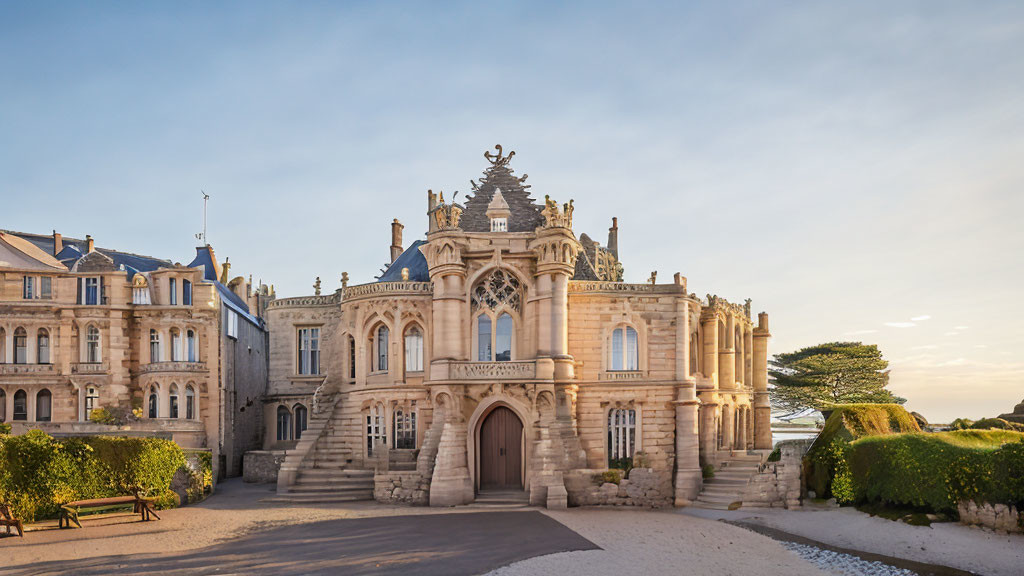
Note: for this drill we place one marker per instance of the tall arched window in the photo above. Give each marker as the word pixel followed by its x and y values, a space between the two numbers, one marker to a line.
pixel 380 348
pixel 351 357
pixel 154 346
pixel 175 345
pixel 376 428
pixel 413 349
pixel 483 330
pixel 43 346
pixel 621 437
pixel 300 420
pixel 153 402
pixel 625 354
pixel 405 429
pixel 309 350
pixel 190 402
pixel 3 406
pixel 44 405
pixel 20 346
pixel 190 346
pixel 503 338
pixel 173 397
pixel 186 292
pixel 92 345
pixel 20 405
pixel 284 423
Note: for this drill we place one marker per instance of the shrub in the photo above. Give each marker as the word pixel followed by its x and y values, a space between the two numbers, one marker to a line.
pixel 848 422
pixel 114 416
pixel 5 428
pixel 38 473
pixel 961 424
pixel 936 471
pixel 996 424
pixel 707 471
pixel 613 476
pixel 776 455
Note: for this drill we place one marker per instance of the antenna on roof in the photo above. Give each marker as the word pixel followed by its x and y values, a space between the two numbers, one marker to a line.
pixel 202 235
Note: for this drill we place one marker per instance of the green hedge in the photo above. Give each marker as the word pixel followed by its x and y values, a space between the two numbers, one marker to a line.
pixel 934 471
pixel 825 460
pixel 38 473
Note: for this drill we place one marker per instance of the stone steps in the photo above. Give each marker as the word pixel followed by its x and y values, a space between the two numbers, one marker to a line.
pixel 503 499
pixel 727 486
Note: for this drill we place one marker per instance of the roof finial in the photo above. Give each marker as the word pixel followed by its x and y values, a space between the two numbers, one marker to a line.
pixel 316 286
pixel 498 159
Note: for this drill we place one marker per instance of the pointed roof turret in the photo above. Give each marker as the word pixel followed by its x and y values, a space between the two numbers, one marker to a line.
pixel 498 208
pixel 523 212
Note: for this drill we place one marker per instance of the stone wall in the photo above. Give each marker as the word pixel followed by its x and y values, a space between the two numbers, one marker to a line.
pixel 261 466
pixel 406 487
pixel 999 517
pixel 645 487
pixel 244 373
pixel 779 484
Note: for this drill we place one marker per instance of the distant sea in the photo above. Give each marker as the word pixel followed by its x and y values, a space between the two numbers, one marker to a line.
pixel 780 434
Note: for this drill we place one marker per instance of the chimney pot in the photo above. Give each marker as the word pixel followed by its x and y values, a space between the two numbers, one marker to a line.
pixel 613 237
pixel 58 242
pixel 90 244
pixel 396 239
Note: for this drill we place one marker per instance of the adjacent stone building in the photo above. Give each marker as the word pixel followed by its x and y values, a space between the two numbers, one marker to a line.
pixel 169 350
pixel 504 353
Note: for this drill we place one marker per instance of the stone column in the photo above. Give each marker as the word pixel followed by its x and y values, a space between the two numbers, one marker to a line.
pixel 688 477
pixel 762 406
pixel 559 314
pixel 9 345
pixel 543 314
pixel 748 364
pixel 710 352
pixel 709 429
pixel 728 422
pixel 726 369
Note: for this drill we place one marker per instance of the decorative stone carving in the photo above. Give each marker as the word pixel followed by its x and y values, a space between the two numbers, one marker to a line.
pixel 500 289
pixel 383 288
pixel 303 301
pixel 493 370
pixel 498 159
pixel 447 216
pixel 555 217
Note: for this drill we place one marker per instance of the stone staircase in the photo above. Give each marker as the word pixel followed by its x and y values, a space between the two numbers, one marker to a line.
pixel 500 499
pixel 402 460
pixel 729 483
pixel 322 464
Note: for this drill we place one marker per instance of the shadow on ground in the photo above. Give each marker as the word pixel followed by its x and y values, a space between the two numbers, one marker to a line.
pixel 435 544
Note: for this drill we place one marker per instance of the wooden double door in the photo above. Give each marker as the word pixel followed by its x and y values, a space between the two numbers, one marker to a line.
pixel 501 450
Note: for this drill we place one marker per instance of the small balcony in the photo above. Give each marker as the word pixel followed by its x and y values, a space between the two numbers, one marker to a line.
pixel 28 369
pixel 90 368
pixel 162 367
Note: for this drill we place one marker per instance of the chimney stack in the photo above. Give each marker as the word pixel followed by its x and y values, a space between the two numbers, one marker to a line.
pixel 431 206
pixel 396 239
pixel 613 237
pixel 762 321
pixel 90 245
pixel 58 242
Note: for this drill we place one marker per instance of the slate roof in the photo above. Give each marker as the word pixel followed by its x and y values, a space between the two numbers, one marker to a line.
pixel 526 213
pixel 412 259
pixel 75 249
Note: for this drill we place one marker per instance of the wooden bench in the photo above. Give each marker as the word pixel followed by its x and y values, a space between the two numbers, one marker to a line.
pixel 8 520
pixel 70 511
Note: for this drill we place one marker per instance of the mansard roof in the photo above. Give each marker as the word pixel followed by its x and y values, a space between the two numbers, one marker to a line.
pixel 412 259
pixel 525 212
pixel 74 249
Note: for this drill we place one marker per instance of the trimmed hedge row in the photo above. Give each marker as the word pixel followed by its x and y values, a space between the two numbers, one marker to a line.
pixel 934 471
pixel 825 460
pixel 38 473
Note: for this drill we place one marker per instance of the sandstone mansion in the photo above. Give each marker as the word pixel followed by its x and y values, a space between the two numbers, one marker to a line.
pixel 503 353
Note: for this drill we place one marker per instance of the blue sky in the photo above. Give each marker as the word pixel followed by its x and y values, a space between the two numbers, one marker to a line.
pixel 850 167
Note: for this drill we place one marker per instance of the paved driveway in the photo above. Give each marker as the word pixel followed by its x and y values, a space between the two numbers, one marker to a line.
pixel 434 544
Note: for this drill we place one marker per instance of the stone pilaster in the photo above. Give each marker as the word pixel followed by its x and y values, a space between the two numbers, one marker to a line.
pixel 451 484
pixel 710 351
pixel 708 428
pixel 762 406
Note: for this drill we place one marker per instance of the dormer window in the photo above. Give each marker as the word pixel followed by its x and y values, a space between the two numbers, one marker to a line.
pixel 498 212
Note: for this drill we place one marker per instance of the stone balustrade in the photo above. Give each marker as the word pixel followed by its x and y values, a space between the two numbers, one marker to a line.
pixel 388 289
pixel 156 367
pixel 90 368
pixel 27 369
pixel 523 370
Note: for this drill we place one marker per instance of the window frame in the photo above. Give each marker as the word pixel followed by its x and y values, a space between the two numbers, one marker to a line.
pixel 28 288
pixel 403 429
pixel 620 360
pixel 413 334
pixel 20 352
pixel 23 395
pixel 42 334
pixel 623 436
pixel 308 351
pixel 494 319
pixel 299 424
pixel 172 291
pixel 94 289
pixel 186 292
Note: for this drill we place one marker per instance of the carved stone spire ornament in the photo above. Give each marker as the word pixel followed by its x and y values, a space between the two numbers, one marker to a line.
pixel 498 159
pixel 447 216
pixel 344 279
pixel 555 217
pixel 316 286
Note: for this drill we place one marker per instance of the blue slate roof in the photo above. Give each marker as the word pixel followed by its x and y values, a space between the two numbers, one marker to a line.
pixel 412 259
pixel 204 259
pixel 231 300
pixel 74 249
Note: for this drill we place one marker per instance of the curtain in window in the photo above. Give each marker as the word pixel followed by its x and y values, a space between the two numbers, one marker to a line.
pixel 154 403
pixel 621 437
pixel 20 346
pixel 154 346
pixel 175 346
pixel 174 401
pixel 382 348
pixel 300 420
pixel 632 351
pixel 44 401
pixel 413 350
pixel 284 423
pixel 20 405
pixel 92 344
pixel 173 291
pixel 190 403
pixel 92 291
pixel 617 349
pixel 186 293
pixel 43 347
pixel 190 345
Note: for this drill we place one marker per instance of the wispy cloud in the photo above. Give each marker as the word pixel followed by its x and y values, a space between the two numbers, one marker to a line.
pixel 859 332
pixel 900 324
pixel 920 318
pixel 959 327
pixel 926 347
pixel 951 334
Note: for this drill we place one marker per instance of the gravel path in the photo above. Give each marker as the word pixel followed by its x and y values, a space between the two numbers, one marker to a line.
pixel 944 544
pixel 651 543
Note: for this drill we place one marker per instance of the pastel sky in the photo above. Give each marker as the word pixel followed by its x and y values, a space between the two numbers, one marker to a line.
pixel 854 168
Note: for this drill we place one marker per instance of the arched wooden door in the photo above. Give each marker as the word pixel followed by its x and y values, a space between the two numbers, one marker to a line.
pixel 501 450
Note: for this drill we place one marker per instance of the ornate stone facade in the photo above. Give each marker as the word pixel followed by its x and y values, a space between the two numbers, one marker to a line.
pixel 503 352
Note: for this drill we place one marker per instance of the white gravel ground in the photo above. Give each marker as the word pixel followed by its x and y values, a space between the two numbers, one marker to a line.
pixel 945 544
pixel 652 543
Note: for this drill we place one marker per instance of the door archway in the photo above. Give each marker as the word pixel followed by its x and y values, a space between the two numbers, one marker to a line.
pixel 501 450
